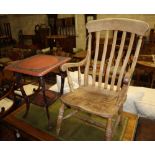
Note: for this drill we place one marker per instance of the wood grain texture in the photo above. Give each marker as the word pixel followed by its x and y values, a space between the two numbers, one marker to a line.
pixel 110 59
pixel 37 65
pixel 122 24
pixel 106 98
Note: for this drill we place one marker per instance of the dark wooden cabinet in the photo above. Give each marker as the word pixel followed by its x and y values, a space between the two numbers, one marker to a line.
pixel 52 18
pixel 62 33
pixel 5 34
pixel 58 33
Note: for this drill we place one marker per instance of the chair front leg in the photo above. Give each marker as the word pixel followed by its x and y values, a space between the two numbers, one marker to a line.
pixel 121 116
pixel 60 118
pixel 109 129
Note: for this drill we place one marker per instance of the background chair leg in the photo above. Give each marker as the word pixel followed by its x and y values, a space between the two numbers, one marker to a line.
pixel 109 129
pixel 60 118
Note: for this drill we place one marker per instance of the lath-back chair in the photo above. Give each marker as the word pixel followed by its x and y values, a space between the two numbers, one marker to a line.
pixel 7 103
pixel 105 95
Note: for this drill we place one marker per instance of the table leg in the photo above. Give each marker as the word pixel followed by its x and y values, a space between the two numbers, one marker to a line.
pixel 42 84
pixel 26 98
pixel 63 75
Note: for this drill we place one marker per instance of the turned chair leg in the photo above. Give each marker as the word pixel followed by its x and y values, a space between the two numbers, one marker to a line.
pixel 121 120
pixel 109 130
pixel 120 117
pixel 60 118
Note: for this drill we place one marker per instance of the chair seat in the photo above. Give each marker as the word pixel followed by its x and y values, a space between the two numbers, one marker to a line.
pixel 93 100
pixel 5 60
pixel 28 90
pixel 6 103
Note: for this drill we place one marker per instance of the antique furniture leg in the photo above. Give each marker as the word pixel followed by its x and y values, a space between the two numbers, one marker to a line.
pixel 42 84
pixel 63 75
pixel 26 98
pixel 109 129
pixel 60 118
pixel 61 112
pixel 120 113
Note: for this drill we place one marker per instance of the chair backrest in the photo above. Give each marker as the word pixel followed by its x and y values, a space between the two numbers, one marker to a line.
pixel 6 91
pixel 114 62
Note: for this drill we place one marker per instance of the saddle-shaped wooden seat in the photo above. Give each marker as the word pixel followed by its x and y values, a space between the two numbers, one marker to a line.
pixel 104 105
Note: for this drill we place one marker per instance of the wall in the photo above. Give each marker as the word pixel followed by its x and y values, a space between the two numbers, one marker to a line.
pixel 80 31
pixel 27 23
pixel 65 15
pixel 149 18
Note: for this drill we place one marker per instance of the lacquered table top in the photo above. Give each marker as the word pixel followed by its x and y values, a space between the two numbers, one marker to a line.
pixel 37 65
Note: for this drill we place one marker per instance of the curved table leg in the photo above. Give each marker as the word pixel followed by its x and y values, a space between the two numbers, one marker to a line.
pixel 63 75
pixel 42 84
pixel 27 102
pixel 26 98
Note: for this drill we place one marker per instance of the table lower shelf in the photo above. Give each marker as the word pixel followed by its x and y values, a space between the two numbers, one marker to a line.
pixel 51 96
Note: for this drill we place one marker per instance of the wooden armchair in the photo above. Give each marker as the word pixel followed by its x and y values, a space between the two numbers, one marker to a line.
pixel 105 95
pixel 6 97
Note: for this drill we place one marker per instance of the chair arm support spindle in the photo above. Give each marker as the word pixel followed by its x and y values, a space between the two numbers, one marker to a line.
pixel 127 78
pixel 65 66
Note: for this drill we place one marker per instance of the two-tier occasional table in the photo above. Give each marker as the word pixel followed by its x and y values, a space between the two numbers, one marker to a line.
pixel 37 66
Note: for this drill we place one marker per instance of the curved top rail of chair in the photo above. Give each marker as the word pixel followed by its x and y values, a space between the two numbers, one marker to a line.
pixel 123 24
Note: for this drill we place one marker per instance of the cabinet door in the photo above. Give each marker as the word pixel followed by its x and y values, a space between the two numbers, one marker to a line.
pixel 52 23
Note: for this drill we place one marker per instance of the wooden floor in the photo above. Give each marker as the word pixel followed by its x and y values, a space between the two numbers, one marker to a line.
pixel 145 130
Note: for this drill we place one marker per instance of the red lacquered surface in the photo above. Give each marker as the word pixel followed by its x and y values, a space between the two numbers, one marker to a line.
pixel 37 65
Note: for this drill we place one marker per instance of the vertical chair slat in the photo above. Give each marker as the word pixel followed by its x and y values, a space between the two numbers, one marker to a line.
pixel 70 82
pixel 102 65
pixel 110 59
pixel 88 60
pixel 134 61
pixel 96 57
pixel 118 61
pixel 125 61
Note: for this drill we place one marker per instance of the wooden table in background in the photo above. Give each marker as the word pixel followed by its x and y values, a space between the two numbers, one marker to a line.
pixel 55 38
pixel 38 66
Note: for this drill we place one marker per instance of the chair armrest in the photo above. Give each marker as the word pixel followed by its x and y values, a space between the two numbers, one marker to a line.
pixel 123 93
pixel 127 78
pixel 65 66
